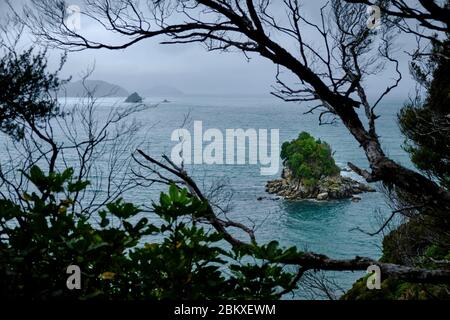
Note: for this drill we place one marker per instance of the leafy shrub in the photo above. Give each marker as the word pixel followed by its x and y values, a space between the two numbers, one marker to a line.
pixel 426 124
pixel 28 89
pixel 121 254
pixel 308 159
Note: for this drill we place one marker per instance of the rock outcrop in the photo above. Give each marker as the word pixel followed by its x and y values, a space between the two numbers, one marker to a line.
pixel 333 187
pixel 134 98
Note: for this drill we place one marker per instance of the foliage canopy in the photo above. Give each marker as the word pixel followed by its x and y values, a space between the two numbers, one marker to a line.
pixel 426 125
pixel 28 91
pixel 309 159
pixel 121 254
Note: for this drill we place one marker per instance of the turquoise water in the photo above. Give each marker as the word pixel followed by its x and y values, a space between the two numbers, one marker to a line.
pixel 321 227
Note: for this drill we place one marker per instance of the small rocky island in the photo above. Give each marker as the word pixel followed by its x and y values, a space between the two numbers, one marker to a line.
pixel 310 172
pixel 134 98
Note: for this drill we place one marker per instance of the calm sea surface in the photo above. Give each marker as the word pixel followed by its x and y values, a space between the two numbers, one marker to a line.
pixel 322 227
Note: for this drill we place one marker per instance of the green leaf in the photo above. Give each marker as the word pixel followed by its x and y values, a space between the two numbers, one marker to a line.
pixel 9 210
pixel 77 186
pixel 272 248
pixel 37 176
pixel 67 174
pixel 122 210
pixel 173 192
pixel 104 222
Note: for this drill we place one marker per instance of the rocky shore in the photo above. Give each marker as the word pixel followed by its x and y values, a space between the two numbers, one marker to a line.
pixel 327 188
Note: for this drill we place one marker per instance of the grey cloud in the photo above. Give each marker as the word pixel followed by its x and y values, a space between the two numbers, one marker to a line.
pixel 192 69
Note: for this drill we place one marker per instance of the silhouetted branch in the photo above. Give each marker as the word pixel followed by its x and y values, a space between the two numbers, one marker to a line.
pixel 332 73
pixel 305 260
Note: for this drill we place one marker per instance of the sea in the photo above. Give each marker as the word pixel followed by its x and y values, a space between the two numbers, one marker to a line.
pixel 332 228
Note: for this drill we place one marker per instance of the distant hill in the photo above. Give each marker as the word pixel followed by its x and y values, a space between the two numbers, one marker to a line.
pixel 98 87
pixel 163 91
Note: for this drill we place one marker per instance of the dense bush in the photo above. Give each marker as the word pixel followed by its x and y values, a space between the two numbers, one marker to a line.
pixel 121 254
pixel 27 91
pixel 308 159
pixel 422 240
pixel 398 248
pixel 426 124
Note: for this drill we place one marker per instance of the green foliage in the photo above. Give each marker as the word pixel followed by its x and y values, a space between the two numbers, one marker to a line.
pixel 122 255
pixel 396 290
pixel 423 239
pixel 410 240
pixel 308 159
pixel 26 91
pixel 426 125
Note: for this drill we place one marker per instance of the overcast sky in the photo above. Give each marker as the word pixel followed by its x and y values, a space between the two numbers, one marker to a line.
pixel 191 68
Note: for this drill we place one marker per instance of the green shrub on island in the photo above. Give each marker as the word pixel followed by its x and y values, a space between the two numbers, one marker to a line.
pixel 308 159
